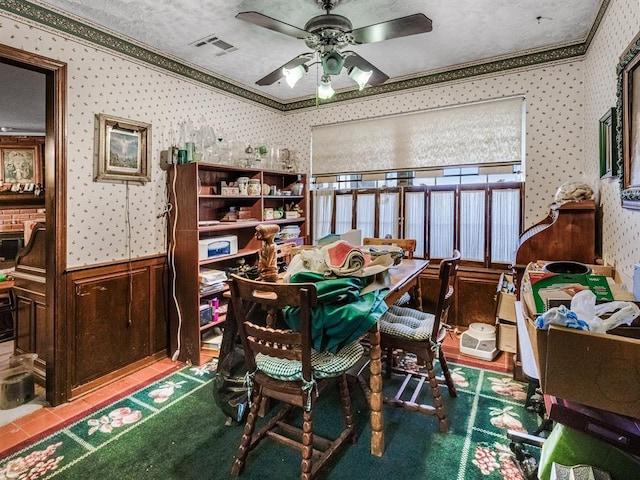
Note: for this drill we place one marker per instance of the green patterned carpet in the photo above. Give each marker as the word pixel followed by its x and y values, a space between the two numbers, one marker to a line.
pixel 172 429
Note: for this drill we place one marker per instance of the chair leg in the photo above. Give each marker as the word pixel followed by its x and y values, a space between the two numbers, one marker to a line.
pixel 345 400
pixel 447 374
pixel 388 362
pixel 249 427
pixel 441 413
pixel 307 446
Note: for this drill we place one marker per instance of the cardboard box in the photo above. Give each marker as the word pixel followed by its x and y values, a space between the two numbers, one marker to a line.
pixel 536 308
pixel 229 191
pixel 551 290
pixel 506 309
pixel 507 337
pixel 506 314
pixel 594 369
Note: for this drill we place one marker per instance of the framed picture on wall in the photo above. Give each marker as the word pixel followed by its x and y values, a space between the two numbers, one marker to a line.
pixel 628 131
pixel 123 150
pixel 19 165
pixel 607 146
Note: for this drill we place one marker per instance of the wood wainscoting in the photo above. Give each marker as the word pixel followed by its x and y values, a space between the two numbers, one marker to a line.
pixel 117 320
pixel 475 294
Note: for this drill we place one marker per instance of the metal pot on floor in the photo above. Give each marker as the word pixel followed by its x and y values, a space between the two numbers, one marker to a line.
pixel 17 384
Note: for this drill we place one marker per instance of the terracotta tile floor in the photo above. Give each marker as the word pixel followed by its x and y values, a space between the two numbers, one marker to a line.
pixel 502 363
pixel 34 426
pixel 30 428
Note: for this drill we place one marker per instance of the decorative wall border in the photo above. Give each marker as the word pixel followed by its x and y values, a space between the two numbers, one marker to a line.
pixel 86 32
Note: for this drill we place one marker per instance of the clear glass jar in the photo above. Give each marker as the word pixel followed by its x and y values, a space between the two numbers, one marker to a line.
pixel 298 187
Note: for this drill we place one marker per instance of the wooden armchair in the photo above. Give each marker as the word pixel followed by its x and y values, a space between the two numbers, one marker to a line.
pixel 408 245
pixel 421 334
pixel 283 366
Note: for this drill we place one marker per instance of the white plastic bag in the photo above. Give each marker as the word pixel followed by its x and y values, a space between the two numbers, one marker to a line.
pixel 626 313
pixel 583 304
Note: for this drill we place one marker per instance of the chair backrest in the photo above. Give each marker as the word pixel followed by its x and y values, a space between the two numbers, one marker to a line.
pixel 284 251
pixel 259 335
pixel 408 245
pixel 447 275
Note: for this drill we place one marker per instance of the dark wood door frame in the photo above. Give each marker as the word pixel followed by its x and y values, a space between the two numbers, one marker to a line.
pixel 55 181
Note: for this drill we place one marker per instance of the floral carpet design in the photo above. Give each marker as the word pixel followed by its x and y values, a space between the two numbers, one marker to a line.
pixel 490 457
pixel 40 460
pixel 476 448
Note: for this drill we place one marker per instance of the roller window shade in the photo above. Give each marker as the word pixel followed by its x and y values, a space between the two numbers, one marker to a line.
pixel 474 134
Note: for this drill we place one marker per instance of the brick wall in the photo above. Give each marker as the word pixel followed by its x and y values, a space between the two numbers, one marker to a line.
pixel 12 219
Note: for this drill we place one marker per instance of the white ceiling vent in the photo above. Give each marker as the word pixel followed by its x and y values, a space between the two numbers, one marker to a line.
pixel 221 47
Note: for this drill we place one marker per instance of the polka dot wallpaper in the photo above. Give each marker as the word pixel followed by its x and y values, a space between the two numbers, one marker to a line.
pixel 563 100
pixel 620 227
pixel 101 82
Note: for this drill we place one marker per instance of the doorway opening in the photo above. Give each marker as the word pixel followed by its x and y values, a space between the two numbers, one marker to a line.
pixel 51 321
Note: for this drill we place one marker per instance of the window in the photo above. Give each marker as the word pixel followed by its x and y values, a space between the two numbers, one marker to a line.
pixel 483 221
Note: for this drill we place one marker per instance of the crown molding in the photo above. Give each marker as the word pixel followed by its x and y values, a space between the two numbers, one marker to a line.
pixel 50 18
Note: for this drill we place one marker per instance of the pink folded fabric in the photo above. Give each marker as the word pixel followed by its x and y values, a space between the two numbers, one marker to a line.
pixel 344 259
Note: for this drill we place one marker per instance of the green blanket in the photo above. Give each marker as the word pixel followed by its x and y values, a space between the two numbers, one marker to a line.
pixel 343 315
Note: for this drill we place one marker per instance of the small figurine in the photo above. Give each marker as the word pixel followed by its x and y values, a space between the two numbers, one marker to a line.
pixel 268 261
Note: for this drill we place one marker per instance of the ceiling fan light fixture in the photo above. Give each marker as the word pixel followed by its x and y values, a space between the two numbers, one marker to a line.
pixel 325 90
pixel 292 75
pixel 361 77
pixel 332 63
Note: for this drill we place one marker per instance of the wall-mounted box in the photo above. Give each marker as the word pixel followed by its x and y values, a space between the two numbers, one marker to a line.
pixel 217 246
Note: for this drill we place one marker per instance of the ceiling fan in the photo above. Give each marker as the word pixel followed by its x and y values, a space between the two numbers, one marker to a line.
pixel 328 35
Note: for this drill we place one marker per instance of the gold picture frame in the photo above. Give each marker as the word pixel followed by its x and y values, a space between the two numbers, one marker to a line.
pixel 628 125
pixel 123 150
pixel 20 165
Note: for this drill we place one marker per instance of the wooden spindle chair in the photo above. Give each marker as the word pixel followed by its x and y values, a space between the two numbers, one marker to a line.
pixel 408 245
pixel 421 333
pixel 283 366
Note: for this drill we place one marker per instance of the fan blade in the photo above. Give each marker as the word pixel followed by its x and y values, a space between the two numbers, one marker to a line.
pixel 277 74
pixel 400 27
pixel 272 24
pixel 354 60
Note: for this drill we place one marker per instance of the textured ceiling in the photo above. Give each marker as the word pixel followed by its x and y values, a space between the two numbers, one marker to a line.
pixel 465 33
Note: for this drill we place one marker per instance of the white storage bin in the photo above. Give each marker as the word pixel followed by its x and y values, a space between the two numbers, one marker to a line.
pixel 217 246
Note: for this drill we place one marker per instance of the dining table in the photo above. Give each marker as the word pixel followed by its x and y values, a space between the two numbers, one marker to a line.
pixel 404 278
